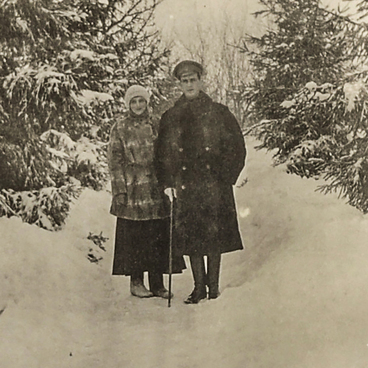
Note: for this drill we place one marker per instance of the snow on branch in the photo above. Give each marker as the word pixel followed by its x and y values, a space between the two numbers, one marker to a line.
pixel 46 208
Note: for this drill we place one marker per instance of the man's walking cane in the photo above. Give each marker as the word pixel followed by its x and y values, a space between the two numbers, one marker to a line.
pixel 171 245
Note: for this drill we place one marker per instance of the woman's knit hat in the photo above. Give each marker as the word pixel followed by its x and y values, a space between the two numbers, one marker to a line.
pixel 136 91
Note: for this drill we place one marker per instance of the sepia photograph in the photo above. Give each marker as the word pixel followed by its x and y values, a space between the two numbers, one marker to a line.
pixel 183 183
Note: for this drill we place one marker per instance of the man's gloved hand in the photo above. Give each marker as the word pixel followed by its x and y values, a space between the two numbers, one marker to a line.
pixel 122 199
pixel 171 193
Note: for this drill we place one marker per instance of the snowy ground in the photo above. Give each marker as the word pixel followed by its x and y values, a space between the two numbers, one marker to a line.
pixel 296 297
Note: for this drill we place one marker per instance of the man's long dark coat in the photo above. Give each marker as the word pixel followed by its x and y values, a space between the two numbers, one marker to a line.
pixel 200 151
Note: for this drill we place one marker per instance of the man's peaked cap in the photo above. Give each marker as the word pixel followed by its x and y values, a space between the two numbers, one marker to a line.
pixel 186 67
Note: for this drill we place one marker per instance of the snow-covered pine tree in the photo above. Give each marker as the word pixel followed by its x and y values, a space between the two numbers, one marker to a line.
pixel 309 95
pixel 65 66
pixel 303 45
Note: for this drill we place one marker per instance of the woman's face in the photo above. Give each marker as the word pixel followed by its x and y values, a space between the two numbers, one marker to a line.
pixel 138 105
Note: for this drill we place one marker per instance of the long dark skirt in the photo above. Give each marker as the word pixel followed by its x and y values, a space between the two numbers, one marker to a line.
pixel 143 246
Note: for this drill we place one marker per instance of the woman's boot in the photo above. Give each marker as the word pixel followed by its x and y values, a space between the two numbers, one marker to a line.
pixel 199 276
pixel 156 283
pixel 137 287
pixel 213 274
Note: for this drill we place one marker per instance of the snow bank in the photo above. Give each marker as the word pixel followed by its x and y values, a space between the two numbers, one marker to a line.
pixel 48 284
pixel 295 297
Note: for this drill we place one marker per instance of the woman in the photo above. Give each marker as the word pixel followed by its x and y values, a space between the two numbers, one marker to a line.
pixel 142 229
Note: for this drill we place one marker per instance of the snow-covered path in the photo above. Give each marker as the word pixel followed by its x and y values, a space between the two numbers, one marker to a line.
pixel 296 297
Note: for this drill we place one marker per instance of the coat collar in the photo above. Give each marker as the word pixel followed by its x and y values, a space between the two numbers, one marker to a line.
pixel 197 103
pixel 136 120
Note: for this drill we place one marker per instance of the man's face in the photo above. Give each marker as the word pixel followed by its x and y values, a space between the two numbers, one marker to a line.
pixel 190 85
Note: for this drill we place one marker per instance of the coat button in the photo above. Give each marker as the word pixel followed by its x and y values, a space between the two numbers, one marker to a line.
pixel 183 187
pixel 208 166
pixel 180 149
pixel 184 168
pixel 207 148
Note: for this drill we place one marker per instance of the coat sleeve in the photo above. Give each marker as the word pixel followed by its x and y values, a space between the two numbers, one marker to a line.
pixel 233 148
pixel 116 161
pixel 163 161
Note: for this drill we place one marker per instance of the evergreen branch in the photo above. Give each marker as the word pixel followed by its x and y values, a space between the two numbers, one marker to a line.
pixel 246 132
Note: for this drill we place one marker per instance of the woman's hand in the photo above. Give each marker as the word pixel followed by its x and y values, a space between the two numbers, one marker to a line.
pixel 122 199
pixel 171 193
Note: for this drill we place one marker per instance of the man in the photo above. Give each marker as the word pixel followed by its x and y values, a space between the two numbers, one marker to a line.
pixel 200 153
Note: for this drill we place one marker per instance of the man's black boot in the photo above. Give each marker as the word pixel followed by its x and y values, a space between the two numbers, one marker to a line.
pixel 213 273
pixel 199 276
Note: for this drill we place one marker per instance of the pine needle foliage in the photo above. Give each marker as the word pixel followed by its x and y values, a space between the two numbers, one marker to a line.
pixel 64 67
pixel 309 96
pixel 46 208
